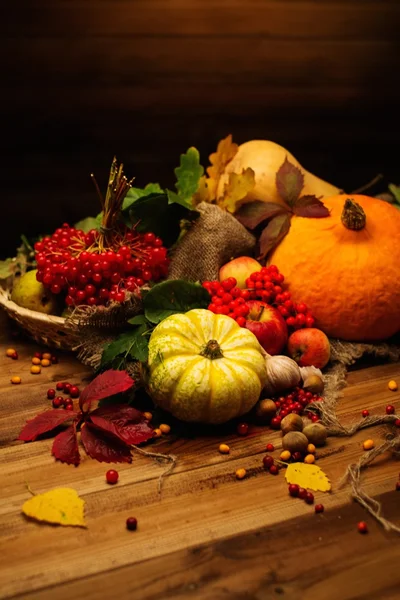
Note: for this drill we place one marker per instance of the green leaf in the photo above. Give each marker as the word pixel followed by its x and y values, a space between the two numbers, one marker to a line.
pixel 7 268
pixel 135 193
pixel 174 296
pixel 187 179
pixel 254 213
pixel 395 190
pixel 276 229
pixel 153 213
pixel 132 343
pixel 138 320
pixel 87 224
pixel 289 182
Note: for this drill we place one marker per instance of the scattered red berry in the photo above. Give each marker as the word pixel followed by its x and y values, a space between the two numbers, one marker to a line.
pixel 131 524
pixel 297 457
pixel 74 391
pixel 365 413
pixel 112 476
pixel 57 402
pixel 390 409
pixel 14 355
pixel 242 429
pixel 319 508
pixel 274 470
pixel 268 461
pixel 60 386
pixel 270 447
pixel 302 493
pixel 397 422
pixel 294 490
pixel 309 498
pixel 362 527
pixel 69 407
pixel 397 486
pixel 67 387
pixel 276 422
pixel 38 355
pixel 51 394
pixel 315 418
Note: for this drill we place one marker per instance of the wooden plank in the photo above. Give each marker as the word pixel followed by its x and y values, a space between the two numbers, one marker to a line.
pixel 262 565
pixel 243 521
pixel 180 18
pixel 113 62
pixel 158 99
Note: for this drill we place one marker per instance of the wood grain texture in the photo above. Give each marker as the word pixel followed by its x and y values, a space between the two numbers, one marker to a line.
pixel 208 536
pixel 146 79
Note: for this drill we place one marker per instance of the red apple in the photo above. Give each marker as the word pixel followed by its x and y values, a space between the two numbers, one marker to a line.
pixel 240 268
pixel 268 326
pixel 309 347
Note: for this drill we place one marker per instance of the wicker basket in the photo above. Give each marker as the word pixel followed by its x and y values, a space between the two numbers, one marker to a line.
pixel 49 330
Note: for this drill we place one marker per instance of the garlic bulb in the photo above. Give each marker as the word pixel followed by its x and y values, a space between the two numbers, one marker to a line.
pixel 283 373
pixel 307 371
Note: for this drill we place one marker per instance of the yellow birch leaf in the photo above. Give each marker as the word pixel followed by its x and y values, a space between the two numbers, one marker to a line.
pixel 61 505
pixel 226 150
pixel 308 476
pixel 236 190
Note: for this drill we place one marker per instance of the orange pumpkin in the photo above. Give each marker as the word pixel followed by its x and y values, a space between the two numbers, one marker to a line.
pixel 345 267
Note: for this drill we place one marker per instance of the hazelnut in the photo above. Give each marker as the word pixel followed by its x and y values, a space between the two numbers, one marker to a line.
pixel 265 410
pixel 316 433
pixel 291 422
pixel 295 441
pixel 314 384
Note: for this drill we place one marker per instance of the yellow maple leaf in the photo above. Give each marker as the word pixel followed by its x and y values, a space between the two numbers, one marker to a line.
pixel 226 150
pixel 236 190
pixel 308 476
pixel 61 505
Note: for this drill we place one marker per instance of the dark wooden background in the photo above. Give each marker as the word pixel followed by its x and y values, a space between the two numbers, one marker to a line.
pixel 145 79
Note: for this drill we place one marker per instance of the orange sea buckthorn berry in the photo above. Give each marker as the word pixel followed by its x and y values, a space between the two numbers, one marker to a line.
pixel 224 448
pixel 148 415
pixel 45 362
pixel 35 361
pixel 15 379
pixel 368 444
pixel 10 352
pixel 392 385
pixel 241 473
pixel 157 433
pixel 35 370
pixel 164 428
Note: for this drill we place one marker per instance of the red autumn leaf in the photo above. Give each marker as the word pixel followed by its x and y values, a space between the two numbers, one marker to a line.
pixel 103 386
pixel 289 182
pixel 125 422
pixel 44 422
pixel 254 213
pixel 276 229
pixel 65 447
pixel 104 447
pixel 310 206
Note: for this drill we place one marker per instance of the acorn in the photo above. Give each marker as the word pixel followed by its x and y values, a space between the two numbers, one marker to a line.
pixel 265 410
pixel 295 441
pixel 314 384
pixel 316 434
pixel 291 422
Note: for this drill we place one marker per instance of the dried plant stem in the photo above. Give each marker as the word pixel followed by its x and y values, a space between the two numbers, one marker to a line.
pixel 353 476
pixel 369 185
pixel 171 458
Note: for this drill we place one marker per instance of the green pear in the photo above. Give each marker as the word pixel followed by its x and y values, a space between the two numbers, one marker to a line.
pixel 28 292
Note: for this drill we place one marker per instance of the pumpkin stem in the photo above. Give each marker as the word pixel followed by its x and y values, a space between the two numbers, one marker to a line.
pixel 212 350
pixel 353 215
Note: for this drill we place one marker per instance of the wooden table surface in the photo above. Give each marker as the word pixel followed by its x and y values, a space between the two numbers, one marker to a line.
pixel 209 536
